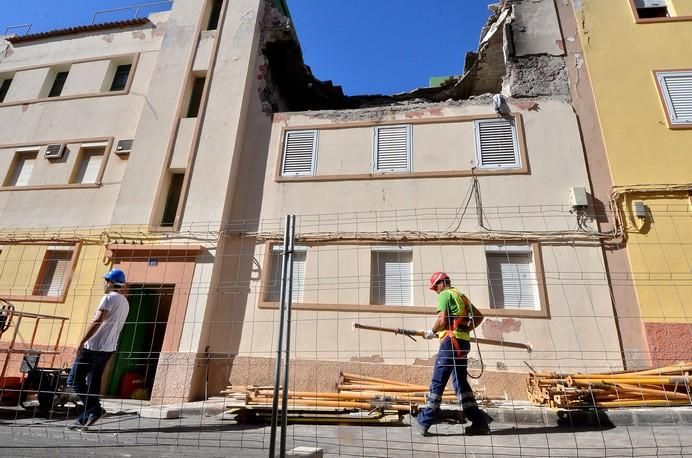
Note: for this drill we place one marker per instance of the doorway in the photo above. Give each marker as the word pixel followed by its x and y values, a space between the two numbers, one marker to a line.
pixel 137 356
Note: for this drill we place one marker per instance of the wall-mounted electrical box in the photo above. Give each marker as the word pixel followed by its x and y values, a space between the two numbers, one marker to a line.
pixel 640 210
pixel 578 198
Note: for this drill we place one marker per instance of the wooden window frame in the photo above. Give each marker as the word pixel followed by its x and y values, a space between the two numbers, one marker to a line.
pixel 657 20
pixel 69 273
pixel 663 95
pixel 544 313
pixel 524 169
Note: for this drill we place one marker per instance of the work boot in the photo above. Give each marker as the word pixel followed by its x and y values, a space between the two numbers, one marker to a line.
pixel 93 418
pixel 420 429
pixel 477 429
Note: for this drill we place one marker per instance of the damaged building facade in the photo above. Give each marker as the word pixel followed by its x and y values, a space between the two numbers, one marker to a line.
pixel 185 138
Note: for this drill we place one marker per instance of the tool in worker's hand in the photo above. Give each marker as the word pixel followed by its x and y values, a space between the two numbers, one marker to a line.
pixel 411 332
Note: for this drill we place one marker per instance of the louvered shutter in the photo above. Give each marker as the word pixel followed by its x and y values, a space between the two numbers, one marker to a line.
pixel 512 281
pixel 300 151
pixel 496 144
pixel 392 278
pixel 677 89
pixel 89 167
pixel 392 148
pixel 56 265
pixel 273 293
pixel 23 169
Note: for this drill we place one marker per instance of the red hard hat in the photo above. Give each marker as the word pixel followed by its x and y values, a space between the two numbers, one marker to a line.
pixel 437 277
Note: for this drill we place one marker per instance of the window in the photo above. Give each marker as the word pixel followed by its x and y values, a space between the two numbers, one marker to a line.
pixel 4 88
pixel 391 277
pixel 122 74
pixel 195 97
pixel 496 144
pixel 20 173
pixel 272 291
pixel 676 88
pixel 58 84
pixel 54 270
pixel 512 280
pixel 89 165
pixel 214 15
pixel 175 189
pixel 649 9
pixel 392 149
pixel 300 153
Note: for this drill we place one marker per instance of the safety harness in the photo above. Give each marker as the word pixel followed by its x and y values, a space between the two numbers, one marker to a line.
pixel 459 323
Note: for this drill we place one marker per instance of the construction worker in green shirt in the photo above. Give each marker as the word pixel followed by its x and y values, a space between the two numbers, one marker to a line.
pixel 455 318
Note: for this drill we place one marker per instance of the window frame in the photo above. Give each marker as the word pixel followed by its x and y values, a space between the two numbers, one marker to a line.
pixel 540 309
pixel 666 101
pixel 115 76
pixel 67 280
pixel 57 87
pixel 274 255
pixel 315 150
pixel 409 149
pixel 515 142
pixel 656 20
pixel 11 173
pixel 5 85
pixel 88 149
pixel 41 288
pixel 390 249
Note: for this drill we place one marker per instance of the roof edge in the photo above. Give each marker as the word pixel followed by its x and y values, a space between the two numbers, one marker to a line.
pixel 78 29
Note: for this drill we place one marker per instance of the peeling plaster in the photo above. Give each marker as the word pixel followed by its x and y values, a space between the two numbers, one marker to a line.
pixel 138 35
pixel 496 329
pixel 107 38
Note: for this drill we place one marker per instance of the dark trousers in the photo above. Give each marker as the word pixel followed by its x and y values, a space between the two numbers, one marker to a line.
pixel 449 364
pixel 85 379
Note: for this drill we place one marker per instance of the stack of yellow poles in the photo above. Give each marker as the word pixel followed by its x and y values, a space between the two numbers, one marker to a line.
pixel 663 386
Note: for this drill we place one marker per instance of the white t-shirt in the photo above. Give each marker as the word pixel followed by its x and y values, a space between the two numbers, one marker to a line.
pixel 106 337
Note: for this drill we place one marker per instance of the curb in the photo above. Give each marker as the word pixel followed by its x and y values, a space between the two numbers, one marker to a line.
pixel 667 416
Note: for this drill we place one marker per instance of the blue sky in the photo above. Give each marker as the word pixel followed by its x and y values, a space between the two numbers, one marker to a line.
pixel 366 46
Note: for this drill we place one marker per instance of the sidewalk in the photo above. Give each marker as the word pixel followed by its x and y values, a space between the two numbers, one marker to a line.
pixel 505 412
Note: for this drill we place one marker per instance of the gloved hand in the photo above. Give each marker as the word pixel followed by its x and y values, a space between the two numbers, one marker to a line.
pixel 428 335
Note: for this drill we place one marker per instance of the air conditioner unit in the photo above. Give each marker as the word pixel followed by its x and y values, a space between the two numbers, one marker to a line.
pixel 650 3
pixel 123 147
pixel 54 151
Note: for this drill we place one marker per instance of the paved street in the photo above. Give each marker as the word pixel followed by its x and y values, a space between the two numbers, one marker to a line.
pixel 126 434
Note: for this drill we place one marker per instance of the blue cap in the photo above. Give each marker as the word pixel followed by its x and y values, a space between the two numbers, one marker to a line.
pixel 116 276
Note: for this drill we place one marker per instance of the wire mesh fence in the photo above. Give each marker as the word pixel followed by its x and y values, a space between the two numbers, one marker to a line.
pixel 195 363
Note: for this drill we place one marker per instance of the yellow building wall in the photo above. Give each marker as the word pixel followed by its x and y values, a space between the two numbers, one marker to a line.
pixel 621 56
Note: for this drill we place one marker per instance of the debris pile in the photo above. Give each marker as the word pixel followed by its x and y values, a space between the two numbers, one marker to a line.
pixel 664 386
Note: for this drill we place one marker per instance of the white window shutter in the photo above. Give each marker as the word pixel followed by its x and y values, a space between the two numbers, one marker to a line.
pixel 300 152
pixel 89 167
pixel 496 144
pixel 273 287
pixel 23 170
pixel 392 278
pixel 677 91
pixel 392 148
pixel 512 281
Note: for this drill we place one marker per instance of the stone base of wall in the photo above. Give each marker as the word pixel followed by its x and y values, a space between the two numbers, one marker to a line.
pixel 669 343
pixel 182 377
pixel 310 375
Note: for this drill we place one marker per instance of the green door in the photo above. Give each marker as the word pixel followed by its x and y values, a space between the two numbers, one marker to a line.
pixel 134 346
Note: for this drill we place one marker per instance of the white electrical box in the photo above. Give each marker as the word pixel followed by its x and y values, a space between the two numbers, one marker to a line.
pixel 577 197
pixel 640 209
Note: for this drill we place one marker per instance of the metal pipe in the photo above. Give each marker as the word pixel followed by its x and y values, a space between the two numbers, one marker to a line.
pixel 279 343
pixel 125 8
pixel 287 332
